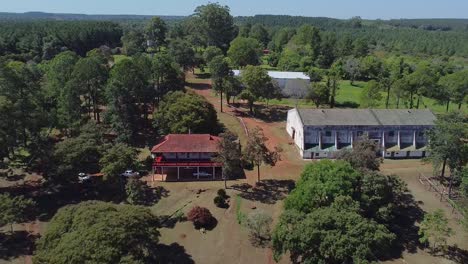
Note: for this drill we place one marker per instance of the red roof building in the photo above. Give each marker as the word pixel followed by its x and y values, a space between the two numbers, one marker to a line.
pixel 186 153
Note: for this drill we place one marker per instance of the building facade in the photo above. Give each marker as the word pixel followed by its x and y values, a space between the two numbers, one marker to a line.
pixel 290 83
pixel 320 133
pixel 186 157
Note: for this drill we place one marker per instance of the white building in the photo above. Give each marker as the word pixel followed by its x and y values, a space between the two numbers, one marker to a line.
pixel 320 133
pixel 289 82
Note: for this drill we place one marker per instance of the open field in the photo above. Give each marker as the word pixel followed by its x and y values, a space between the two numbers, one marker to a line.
pixel 348 97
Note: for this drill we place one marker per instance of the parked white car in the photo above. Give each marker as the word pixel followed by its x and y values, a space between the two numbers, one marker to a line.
pixel 83 176
pixel 130 173
pixel 201 174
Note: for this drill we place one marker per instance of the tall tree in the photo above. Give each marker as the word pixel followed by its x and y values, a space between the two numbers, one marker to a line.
pixel 125 89
pixel 453 87
pixel 370 95
pixel 333 77
pixel 229 155
pixel 258 153
pixel 89 76
pixel 260 33
pixel 182 53
pixel 166 75
pixel 448 146
pixel 155 31
pixel 216 25
pixel 219 68
pixel 116 160
pixel 244 51
pixel 133 42
pixel 256 82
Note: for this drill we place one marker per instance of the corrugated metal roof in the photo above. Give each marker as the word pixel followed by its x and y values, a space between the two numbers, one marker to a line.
pixel 366 117
pixel 281 75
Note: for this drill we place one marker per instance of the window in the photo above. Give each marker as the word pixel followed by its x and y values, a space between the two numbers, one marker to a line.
pixel 328 133
pixel 391 133
pixel 421 134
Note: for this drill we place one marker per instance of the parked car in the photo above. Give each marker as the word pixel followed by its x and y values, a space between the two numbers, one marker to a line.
pixel 83 177
pixel 201 174
pixel 130 173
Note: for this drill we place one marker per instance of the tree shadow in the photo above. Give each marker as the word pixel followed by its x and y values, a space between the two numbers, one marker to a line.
pixel 404 227
pixel 199 86
pixel 456 254
pixel 18 243
pixel 174 254
pixel 347 104
pixel 169 221
pixel 271 113
pixel 266 191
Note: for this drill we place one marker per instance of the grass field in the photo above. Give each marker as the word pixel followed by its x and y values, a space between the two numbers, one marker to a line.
pixel 348 96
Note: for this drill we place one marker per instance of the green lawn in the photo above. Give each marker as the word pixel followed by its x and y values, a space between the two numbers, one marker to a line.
pixel 348 96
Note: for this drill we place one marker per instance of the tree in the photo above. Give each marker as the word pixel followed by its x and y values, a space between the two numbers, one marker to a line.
pixel 166 75
pixel 182 53
pixel 453 87
pixel 258 223
pixel 371 95
pixel 434 228
pixel 352 67
pixel 89 77
pixel 363 155
pixel 201 217
pixel 320 184
pixel 181 112
pixel 333 76
pixel 318 93
pixel 334 234
pixel 260 33
pixel 256 82
pixel 219 68
pixel 447 145
pixel 127 87
pixel 87 232
pixel 116 160
pixel 138 192
pixel 233 87
pixel 421 82
pixel 14 209
pixel 229 154
pixel 244 51
pixel 216 25
pixel 133 42
pixel 210 53
pixel 257 152
pixel 155 32
pixel 77 154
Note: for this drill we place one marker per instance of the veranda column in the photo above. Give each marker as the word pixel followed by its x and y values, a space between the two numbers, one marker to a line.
pixel 336 140
pixel 320 139
pixel 214 172
pixel 383 144
pixel 198 173
pixel 352 138
pixel 178 172
pixel 162 174
pixel 399 140
pixel 414 139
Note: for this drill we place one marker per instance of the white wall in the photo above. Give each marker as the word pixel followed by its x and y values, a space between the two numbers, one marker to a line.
pixel 294 123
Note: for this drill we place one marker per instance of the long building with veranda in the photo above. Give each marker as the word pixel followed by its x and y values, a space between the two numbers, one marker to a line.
pixel 320 133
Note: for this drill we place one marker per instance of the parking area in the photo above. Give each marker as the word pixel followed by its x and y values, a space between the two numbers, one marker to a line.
pixel 186 174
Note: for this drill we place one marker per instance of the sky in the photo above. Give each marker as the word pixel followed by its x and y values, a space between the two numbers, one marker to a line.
pixel 369 9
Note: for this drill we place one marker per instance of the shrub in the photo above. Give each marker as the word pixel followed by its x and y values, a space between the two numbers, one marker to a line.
pixel 201 217
pixel 222 193
pixel 138 192
pixel 220 202
pixel 258 223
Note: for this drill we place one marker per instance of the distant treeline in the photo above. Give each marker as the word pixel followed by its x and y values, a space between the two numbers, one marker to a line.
pixel 25 40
